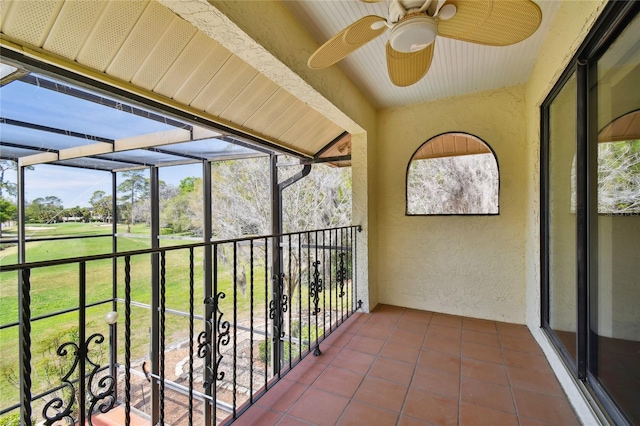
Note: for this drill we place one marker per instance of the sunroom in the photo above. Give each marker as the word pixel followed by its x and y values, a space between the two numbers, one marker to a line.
pixel 555 253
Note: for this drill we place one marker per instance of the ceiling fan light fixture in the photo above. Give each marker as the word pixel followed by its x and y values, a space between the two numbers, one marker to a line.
pixel 414 33
pixel 447 11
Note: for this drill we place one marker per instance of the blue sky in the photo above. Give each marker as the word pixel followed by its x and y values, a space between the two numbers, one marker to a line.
pixel 75 186
pixel 34 104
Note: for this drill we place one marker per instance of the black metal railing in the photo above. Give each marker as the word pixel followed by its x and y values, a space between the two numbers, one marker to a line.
pixel 265 303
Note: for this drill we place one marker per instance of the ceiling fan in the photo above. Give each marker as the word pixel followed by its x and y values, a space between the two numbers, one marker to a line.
pixel 414 25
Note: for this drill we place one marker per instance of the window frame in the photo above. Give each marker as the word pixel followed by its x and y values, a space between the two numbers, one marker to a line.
pixel 408 169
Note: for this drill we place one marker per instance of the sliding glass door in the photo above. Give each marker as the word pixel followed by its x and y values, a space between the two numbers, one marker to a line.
pixel 615 276
pixel 590 161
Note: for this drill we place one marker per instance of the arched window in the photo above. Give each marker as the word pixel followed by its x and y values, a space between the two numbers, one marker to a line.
pixel 453 174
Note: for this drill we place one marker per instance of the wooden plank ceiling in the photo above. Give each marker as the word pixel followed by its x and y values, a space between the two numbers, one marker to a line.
pixel 145 44
pixel 451 145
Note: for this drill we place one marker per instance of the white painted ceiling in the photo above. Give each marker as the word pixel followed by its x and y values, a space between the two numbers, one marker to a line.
pixel 458 67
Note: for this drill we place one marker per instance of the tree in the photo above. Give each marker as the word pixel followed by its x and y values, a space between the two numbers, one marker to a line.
pixel 182 211
pixel 619 177
pixel 44 210
pixel 102 205
pixel 241 197
pixel 8 187
pixel 7 212
pixel 241 203
pixel 320 200
pixel 135 188
pixel 77 213
pixel 189 184
pixel 453 185
pixel 241 194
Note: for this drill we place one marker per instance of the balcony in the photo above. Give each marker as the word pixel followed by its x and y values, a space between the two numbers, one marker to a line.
pixel 233 72
pixel 336 364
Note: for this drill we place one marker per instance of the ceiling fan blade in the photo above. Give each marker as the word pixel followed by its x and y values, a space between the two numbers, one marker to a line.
pixel 492 23
pixel 406 69
pixel 345 42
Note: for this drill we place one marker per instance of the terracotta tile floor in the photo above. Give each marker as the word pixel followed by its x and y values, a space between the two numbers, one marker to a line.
pixel 399 366
pixel 116 417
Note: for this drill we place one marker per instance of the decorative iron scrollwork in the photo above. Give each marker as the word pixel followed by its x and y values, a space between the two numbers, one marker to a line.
pixel 100 393
pixel 223 335
pixel 55 409
pixel 282 306
pixel 315 287
pixel 204 349
pixel 341 275
pixel 205 344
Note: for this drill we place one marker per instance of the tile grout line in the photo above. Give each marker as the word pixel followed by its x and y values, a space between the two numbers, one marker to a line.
pixel 415 366
pixel 308 386
pixel 368 369
pixel 504 360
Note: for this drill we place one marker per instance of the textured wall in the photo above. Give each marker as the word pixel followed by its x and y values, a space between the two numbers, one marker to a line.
pixel 468 265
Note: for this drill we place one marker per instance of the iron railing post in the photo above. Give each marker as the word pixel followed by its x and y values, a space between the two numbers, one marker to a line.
pixel 155 297
pixel 127 340
pixel 209 408
pixel 82 341
pixel 24 294
pixel 113 329
pixel 276 267
pixel 22 251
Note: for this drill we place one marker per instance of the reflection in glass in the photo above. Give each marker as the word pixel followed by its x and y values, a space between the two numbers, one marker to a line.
pixel 562 217
pixel 616 283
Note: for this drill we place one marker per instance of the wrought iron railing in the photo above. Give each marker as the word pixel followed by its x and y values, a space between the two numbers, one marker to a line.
pixel 222 321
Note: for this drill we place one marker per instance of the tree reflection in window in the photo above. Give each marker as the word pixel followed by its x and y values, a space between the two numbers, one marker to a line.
pixel 453 174
pixel 619 166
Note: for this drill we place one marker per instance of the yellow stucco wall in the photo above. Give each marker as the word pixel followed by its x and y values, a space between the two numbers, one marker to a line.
pixel 467 265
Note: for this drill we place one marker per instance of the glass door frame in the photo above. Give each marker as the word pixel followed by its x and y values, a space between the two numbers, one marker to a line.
pixel 613 20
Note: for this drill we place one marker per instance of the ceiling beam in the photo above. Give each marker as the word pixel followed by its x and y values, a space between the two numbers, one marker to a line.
pixel 331 144
pixel 43 157
pixel 149 140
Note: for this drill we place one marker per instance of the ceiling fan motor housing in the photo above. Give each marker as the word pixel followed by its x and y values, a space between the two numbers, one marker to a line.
pixel 412 4
pixel 414 33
